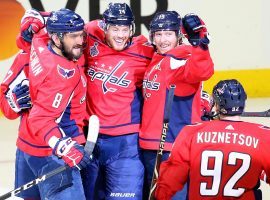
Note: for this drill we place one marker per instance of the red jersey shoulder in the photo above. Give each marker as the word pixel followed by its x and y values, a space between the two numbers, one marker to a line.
pixel 196 126
pixel 19 64
pixel 141 46
pixel 180 52
pixel 95 28
pixel 45 64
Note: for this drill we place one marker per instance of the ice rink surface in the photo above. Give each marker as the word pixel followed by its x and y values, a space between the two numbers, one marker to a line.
pixel 8 133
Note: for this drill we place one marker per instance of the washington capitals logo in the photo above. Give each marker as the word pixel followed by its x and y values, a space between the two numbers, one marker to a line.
pixel 66 73
pixel 152 85
pixel 110 78
pixel 94 50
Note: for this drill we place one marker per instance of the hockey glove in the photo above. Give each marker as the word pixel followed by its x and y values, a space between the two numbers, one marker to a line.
pixel 195 31
pixel 31 23
pixel 71 152
pixel 20 96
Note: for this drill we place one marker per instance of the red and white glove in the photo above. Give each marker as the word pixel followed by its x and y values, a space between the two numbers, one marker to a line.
pixel 32 22
pixel 18 96
pixel 195 30
pixel 70 151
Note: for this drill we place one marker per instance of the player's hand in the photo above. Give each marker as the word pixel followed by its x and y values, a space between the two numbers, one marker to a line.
pixel 71 152
pixel 31 23
pixel 21 96
pixel 195 30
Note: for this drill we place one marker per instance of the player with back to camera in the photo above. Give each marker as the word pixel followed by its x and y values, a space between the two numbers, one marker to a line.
pixel 52 128
pixel 174 63
pixel 222 158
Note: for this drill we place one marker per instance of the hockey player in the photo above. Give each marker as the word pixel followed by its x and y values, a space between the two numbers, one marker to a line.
pixel 174 63
pixel 223 158
pixel 116 62
pixel 52 128
pixel 16 81
pixel 15 100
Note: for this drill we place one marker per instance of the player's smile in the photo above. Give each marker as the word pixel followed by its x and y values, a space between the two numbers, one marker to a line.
pixel 117 37
pixel 165 40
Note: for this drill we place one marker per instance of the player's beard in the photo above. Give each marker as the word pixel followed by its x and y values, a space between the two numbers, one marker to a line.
pixel 72 53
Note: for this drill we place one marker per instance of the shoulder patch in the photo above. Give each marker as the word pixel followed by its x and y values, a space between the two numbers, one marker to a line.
pixel 101 24
pixel 94 50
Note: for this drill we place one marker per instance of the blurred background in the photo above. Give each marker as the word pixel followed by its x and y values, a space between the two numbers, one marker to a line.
pixel 239 31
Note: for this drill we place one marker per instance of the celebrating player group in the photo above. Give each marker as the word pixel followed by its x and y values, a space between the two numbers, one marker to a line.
pixel 68 70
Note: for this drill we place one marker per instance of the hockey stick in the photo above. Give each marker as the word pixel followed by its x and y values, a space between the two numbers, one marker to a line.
pixel 165 127
pixel 256 114
pixel 93 129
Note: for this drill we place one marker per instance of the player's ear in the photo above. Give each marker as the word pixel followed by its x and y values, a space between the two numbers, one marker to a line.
pixel 55 39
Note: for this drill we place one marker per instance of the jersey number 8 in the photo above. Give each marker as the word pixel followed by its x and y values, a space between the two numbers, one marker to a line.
pixel 57 100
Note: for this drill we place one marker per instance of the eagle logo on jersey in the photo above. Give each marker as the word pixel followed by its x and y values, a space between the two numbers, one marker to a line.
pixel 94 50
pixel 66 73
pixel 110 78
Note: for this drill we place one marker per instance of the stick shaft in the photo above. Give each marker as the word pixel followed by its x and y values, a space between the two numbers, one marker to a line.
pixel 256 114
pixel 162 142
pixel 93 130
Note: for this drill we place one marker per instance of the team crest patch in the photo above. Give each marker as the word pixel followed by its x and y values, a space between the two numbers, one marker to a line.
pixel 66 73
pixel 101 24
pixel 94 50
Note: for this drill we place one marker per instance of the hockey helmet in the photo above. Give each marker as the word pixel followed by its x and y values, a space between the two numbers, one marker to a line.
pixel 165 21
pixel 118 14
pixel 230 97
pixel 64 21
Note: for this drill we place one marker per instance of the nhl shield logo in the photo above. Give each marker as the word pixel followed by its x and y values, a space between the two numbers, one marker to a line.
pixel 94 50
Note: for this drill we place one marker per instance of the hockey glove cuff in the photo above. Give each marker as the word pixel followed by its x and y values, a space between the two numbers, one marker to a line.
pixel 19 98
pixel 195 31
pixel 70 151
pixel 31 23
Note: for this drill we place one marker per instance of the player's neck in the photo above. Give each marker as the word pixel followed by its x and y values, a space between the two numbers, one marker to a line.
pixel 57 50
pixel 231 118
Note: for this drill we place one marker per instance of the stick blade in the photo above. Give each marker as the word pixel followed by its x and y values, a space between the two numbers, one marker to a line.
pixel 93 130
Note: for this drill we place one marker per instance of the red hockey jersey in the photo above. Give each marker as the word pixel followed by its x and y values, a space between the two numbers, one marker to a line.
pixel 58 92
pixel 114 80
pixel 185 67
pixel 222 159
pixel 15 75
